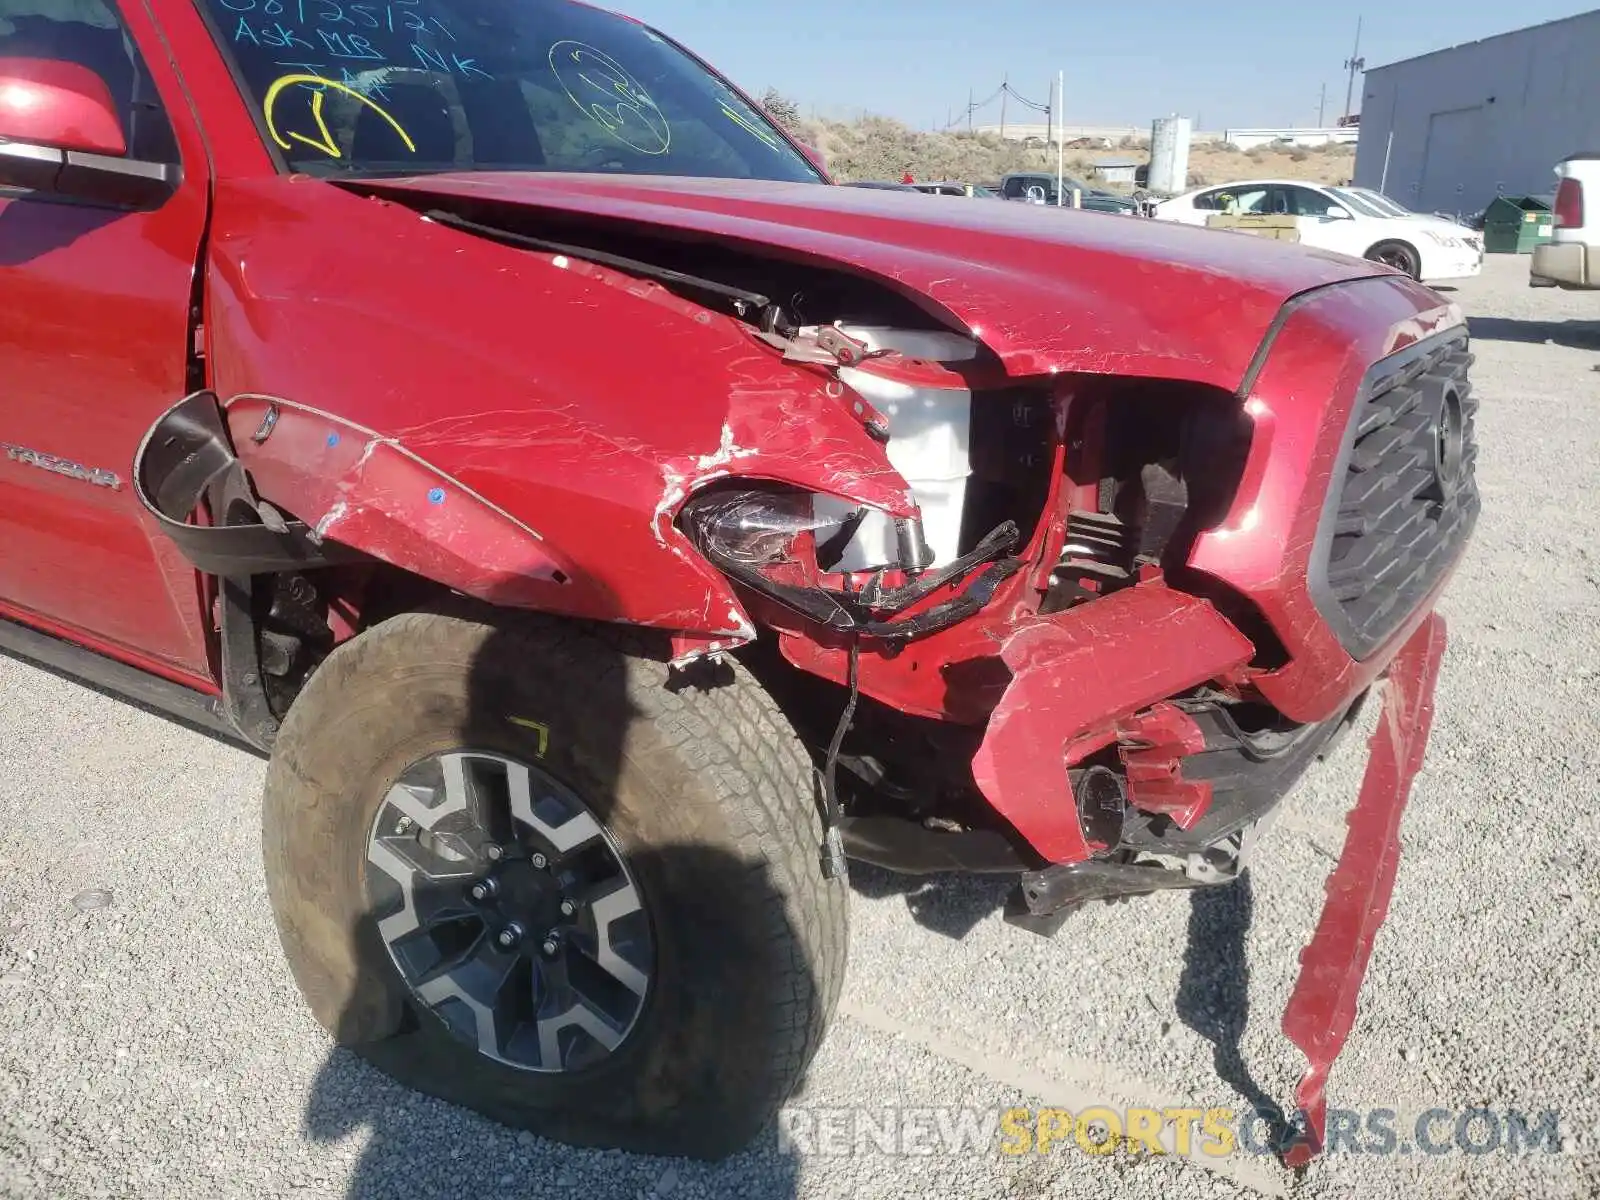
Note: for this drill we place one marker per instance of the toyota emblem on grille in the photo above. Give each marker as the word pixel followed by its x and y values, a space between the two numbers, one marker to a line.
pixel 1448 444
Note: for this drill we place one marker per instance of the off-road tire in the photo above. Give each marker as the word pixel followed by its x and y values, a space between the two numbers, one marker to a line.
pixel 712 798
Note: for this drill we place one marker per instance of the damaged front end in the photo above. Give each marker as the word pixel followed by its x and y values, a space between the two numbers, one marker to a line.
pixel 1061 579
pixel 1150 609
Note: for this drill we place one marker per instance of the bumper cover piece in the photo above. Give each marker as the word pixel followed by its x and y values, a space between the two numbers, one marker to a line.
pixel 1322 1009
pixel 1074 675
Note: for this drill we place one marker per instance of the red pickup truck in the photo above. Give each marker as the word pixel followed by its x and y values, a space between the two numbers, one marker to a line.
pixel 611 529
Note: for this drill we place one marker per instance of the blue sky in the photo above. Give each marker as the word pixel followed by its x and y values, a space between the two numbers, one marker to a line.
pixel 1220 64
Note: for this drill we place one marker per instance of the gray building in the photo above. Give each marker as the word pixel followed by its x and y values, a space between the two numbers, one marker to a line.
pixel 1450 130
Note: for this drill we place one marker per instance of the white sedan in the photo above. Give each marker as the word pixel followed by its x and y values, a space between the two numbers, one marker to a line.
pixel 1346 220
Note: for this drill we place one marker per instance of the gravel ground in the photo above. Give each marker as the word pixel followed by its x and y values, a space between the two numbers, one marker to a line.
pixel 157 1047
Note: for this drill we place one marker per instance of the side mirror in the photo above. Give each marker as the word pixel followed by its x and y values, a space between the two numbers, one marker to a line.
pixel 1337 213
pixel 60 133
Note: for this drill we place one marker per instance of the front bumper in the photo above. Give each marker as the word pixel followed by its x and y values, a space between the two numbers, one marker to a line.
pixel 1452 263
pixel 1107 678
pixel 1571 265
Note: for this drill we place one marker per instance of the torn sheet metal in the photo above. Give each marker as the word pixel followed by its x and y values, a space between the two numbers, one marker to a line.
pixel 1046 295
pixel 1322 1008
pixel 1152 745
pixel 1074 674
pixel 590 425
pixel 356 488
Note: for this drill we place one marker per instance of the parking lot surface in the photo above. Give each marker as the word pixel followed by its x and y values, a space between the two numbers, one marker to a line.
pixel 155 1046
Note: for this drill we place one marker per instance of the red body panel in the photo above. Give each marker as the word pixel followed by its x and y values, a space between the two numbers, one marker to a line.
pixel 1047 290
pixel 1075 674
pixel 94 347
pixel 520 398
pixel 1322 1009
pixel 58 103
pixel 1263 547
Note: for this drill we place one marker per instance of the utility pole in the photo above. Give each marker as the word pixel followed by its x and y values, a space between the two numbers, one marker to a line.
pixel 969 110
pixel 1322 108
pixel 1049 118
pixel 1061 140
pixel 1353 64
pixel 1005 94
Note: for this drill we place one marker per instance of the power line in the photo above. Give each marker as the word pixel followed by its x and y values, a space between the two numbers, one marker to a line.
pixel 1023 100
pixel 973 106
pixel 1005 89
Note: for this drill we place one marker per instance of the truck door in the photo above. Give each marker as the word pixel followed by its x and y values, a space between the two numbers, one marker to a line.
pixel 94 340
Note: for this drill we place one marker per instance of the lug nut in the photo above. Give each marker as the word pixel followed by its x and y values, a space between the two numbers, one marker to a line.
pixel 402 825
pixel 494 853
pixel 568 907
pixel 551 946
pixel 483 889
pixel 509 936
pixel 539 861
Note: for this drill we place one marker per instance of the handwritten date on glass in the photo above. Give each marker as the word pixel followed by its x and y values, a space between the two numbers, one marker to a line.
pixel 604 91
pixel 324 139
pixel 393 16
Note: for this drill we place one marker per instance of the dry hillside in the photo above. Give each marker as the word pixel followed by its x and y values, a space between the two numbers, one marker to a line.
pixel 882 148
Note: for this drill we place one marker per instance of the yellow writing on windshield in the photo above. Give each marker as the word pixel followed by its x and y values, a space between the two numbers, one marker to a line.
pixel 749 126
pixel 324 141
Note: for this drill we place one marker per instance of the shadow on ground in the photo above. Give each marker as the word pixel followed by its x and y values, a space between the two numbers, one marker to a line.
pixel 419 1148
pixel 1579 335
pixel 951 905
pixel 1214 991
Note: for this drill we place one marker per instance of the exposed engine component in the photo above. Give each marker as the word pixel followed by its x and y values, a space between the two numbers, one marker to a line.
pixel 1098 555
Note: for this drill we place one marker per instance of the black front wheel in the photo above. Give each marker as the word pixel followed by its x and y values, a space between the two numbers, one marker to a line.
pixel 1398 255
pixel 514 869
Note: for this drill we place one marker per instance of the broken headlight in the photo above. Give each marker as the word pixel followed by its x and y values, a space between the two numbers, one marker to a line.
pixel 799 548
pixel 782 541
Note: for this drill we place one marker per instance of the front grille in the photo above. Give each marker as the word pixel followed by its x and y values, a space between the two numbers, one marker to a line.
pixel 1405 496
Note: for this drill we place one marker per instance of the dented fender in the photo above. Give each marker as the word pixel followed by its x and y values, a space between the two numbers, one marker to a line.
pixel 563 443
pixel 357 488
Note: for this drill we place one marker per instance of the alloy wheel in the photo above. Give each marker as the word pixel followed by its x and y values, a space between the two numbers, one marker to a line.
pixel 509 911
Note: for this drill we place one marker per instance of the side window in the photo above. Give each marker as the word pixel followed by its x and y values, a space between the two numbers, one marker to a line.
pixel 1012 188
pixel 1244 200
pixel 1307 202
pixel 1250 200
pixel 91 34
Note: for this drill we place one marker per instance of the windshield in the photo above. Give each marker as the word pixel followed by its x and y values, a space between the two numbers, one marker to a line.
pixel 1019 185
pixel 1359 202
pixel 409 86
pixel 1376 200
pixel 1385 202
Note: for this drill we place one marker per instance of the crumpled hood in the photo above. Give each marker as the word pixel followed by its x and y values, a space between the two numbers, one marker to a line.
pixel 1046 289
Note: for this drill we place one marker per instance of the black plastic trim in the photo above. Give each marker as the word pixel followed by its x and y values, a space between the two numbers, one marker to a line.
pixel 1461 506
pixel 186 458
pixel 907 847
pixel 83 665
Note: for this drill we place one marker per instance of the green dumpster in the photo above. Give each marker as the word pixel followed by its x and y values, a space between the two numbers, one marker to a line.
pixel 1516 224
